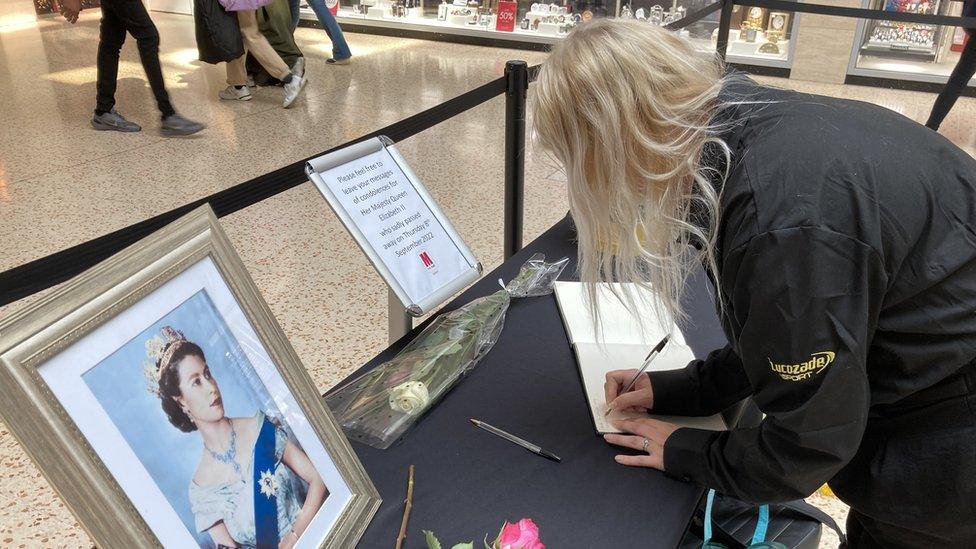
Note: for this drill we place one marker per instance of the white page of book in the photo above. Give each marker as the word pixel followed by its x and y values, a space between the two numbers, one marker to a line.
pixel 617 324
pixel 623 342
pixel 596 360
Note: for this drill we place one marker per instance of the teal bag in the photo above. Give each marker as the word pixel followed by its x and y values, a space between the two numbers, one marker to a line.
pixel 758 536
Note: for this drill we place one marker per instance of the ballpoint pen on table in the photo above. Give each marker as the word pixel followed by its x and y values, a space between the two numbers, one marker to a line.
pixel 647 362
pixel 535 449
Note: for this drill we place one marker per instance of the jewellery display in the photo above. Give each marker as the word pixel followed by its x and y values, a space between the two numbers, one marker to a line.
pixel 754 18
pixel 657 15
pixel 750 34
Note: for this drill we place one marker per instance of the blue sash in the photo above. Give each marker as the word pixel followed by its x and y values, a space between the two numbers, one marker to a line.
pixel 265 502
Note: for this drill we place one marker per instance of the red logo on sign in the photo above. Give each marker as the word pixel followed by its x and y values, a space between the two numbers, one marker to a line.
pixel 425 257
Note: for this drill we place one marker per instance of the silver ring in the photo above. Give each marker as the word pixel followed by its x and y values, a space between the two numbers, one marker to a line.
pixel 644 445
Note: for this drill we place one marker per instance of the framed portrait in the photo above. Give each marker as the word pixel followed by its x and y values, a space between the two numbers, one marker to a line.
pixel 161 399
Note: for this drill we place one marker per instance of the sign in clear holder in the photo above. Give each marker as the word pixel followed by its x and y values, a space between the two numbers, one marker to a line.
pixel 398 225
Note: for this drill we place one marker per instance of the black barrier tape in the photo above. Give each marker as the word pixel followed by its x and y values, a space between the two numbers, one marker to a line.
pixel 694 16
pixel 860 13
pixel 40 274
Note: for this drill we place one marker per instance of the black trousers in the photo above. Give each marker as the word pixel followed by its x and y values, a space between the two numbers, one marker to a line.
pixel 913 480
pixel 119 17
pixel 958 80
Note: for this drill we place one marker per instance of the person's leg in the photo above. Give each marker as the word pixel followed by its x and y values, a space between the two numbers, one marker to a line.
pixel 237 88
pixel 857 536
pixel 958 81
pixel 912 482
pixel 137 21
pixel 236 71
pixel 340 49
pixel 258 45
pixel 111 38
pixel 296 13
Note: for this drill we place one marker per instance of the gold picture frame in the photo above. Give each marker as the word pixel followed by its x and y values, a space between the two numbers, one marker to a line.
pixel 50 435
pixel 778 23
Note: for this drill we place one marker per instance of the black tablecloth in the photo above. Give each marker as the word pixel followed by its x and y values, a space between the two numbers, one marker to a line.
pixel 467 482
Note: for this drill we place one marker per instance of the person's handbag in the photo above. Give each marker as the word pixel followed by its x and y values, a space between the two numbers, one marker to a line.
pixel 244 5
pixel 728 523
pixel 217 31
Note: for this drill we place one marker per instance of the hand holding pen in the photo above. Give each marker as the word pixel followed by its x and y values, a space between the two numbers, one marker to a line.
pixel 630 390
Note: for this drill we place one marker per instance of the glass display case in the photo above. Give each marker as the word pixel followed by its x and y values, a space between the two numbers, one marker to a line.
pixel 757 36
pixel 907 51
pixel 512 20
pixel 760 38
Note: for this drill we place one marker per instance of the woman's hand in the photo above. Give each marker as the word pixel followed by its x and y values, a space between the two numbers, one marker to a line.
pixel 655 432
pixel 640 398
pixel 70 10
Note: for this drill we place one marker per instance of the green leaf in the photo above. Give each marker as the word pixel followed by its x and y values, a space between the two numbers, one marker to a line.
pixel 432 542
pixel 468 545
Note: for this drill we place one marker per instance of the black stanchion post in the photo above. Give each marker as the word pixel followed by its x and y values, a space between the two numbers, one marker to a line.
pixel 517 73
pixel 724 22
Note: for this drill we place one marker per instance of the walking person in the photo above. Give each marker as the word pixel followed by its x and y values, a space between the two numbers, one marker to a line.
pixel 341 55
pixel 259 47
pixel 118 18
pixel 959 79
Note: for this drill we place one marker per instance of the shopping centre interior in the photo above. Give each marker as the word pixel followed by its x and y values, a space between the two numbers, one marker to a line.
pixel 61 183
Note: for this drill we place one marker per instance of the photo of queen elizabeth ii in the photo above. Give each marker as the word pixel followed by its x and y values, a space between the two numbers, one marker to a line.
pixel 208 432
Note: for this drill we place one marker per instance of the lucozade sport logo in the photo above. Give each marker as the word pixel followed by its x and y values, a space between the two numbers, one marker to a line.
pixel 803 370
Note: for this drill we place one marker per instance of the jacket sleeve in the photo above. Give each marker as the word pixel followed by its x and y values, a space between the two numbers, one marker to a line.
pixel 804 303
pixel 703 388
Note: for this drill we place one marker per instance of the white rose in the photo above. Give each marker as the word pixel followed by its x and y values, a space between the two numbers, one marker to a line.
pixel 409 397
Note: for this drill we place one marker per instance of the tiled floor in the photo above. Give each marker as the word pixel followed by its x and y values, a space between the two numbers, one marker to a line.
pixel 62 183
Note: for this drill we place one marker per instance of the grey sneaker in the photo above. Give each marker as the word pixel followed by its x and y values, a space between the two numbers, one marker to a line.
pixel 334 61
pixel 293 89
pixel 113 121
pixel 175 124
pixel 230 93
pixel 299 68
pixel 250 82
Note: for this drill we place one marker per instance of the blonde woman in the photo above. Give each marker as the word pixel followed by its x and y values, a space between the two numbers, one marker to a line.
pixel 839 236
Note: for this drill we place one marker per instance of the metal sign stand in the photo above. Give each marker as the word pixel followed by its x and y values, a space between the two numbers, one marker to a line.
pixel 400 321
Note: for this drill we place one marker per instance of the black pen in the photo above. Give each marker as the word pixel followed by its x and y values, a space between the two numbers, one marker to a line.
pixel 516 440
pixel 647 362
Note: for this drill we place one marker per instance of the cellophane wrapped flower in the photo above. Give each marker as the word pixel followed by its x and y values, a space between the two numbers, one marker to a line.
pixel 379 406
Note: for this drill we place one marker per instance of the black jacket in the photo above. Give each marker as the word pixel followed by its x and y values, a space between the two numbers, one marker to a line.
pixel 217 31
pixel 847 265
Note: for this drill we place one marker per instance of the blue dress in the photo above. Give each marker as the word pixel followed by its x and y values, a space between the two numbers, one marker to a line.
pixel 233 502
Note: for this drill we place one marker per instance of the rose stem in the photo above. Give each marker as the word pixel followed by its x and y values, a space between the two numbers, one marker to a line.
pixel 406 510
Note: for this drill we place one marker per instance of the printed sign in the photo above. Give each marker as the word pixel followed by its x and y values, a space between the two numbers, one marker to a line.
pixel 397 224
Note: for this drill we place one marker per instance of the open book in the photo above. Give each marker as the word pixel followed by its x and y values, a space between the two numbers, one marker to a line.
pixel 625 342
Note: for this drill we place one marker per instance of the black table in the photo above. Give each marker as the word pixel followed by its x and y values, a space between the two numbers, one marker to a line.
pixel 468 482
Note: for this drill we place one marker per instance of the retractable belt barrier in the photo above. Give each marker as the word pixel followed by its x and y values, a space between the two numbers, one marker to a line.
pixel 40 274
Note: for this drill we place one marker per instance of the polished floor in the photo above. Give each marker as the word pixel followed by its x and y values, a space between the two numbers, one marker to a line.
pixel 62 183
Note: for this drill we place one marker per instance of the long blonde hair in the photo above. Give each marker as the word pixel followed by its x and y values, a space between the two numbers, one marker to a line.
pixel 625 107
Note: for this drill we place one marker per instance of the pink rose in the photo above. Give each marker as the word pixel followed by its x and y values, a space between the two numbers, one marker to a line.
pixel 522 535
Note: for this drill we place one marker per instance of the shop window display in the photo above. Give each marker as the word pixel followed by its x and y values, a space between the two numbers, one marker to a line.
pixel 907 51
pixel 761 37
